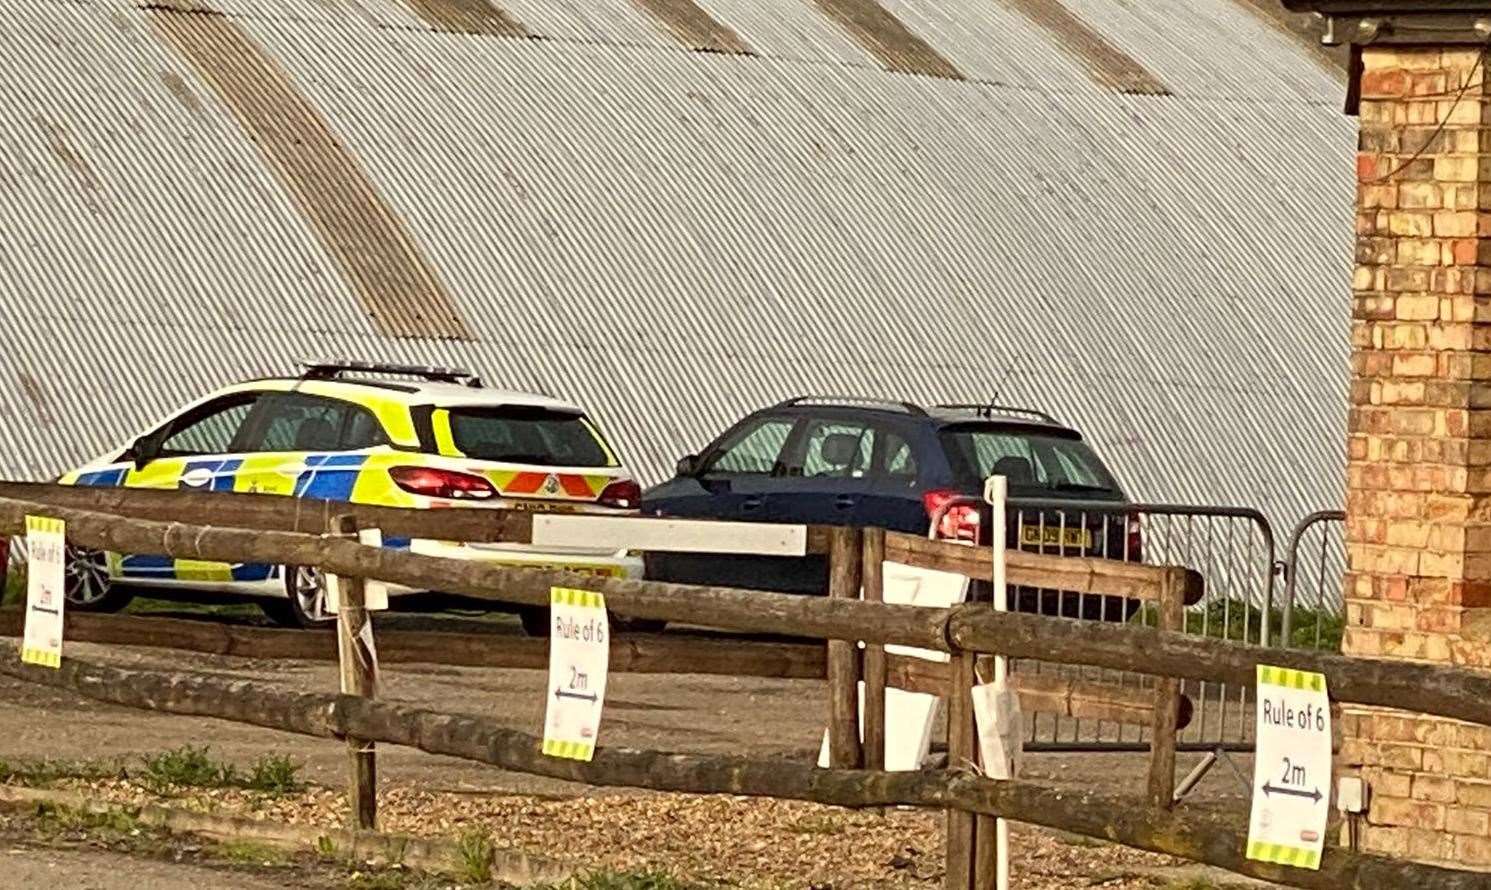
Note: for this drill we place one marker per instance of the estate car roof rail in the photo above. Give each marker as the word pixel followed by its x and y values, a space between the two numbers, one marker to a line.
pixel 989 409
pixel 908 407
pixel 334 370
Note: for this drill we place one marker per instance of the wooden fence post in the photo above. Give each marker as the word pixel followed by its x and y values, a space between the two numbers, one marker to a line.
pixel 1172 617
pixel 356 662
pixel 962 750
pixel 873 569
pixel 844 750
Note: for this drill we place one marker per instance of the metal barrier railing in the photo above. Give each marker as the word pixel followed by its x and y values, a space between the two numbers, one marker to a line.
pixel 1232 547
pixel 1328 564
pixel 1235 550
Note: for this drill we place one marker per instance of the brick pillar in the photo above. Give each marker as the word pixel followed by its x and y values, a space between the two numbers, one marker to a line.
pixel 1419 472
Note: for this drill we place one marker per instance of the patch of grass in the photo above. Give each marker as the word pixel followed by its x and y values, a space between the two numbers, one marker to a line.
pixel 15 587
pixel 147 605
pixel 273 774
pixel 57 819
pixel 382 880
pixel 251 853
pixel 40 773
pixel 474 856
pixel 326 847
pixel 607 880
pixel 187 766
pixel 1236 620
pixel 394 879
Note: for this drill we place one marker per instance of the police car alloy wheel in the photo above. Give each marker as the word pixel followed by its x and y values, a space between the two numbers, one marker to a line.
pixel 87 585
pixel 305 601
pixel 307 590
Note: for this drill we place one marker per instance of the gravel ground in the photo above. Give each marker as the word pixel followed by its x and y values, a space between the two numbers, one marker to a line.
pixel 733 841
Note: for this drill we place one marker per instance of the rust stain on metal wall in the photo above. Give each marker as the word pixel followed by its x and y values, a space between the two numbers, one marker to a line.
pixel 1105 63
pixel 694 27
pixel 182 92
pixel 468 17
pixel 61 147
pixel 31 388
pixel 1303 27
pixel 400 290
pixel 888 39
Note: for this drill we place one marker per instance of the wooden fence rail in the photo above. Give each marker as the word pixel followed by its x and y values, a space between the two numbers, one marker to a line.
pixel 1123 819
pixel 1435 690
pixel 641 654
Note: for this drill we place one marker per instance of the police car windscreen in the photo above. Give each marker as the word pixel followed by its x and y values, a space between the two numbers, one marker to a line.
pixel 527 435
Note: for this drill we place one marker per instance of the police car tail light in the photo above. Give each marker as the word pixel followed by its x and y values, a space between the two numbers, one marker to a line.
pixel 435 483
pixel 623 493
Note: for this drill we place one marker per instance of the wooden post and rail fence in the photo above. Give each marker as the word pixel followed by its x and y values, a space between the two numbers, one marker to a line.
pixel 264 529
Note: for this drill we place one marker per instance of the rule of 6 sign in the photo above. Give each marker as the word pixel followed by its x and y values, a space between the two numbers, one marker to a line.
pixel 579 653
pixel 45 547
pixel 1292 768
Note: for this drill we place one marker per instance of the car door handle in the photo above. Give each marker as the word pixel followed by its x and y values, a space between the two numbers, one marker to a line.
pixel 845 502
pixel 751 503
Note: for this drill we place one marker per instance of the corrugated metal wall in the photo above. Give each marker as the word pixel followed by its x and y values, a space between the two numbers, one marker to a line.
pixel 677 237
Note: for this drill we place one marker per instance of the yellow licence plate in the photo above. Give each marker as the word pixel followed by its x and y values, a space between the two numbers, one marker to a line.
pixel 544 507
pixel 1053 536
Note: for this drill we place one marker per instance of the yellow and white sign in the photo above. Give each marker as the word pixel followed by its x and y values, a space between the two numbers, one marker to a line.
pixel 1291 769
pixel 579 654
pixel 45 552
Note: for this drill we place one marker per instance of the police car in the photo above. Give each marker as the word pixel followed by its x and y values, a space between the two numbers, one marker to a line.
pixel 390 435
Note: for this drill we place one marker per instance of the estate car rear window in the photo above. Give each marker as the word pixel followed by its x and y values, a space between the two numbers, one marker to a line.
pixel 1034 462
pixel 527 435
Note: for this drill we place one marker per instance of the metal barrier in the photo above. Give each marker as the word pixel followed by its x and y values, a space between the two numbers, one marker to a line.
pixel 1315 576
pixel 1232 547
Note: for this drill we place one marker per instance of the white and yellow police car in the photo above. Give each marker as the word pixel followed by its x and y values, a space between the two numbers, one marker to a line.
pixel 391 435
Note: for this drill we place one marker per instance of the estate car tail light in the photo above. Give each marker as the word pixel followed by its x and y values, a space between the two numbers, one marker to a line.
pixel 954 521
pixel 623 494
pixel 1133 547
pixel 436 483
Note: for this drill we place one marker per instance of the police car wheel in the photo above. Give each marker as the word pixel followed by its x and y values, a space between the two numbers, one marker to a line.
pixel 86 583
pixel 305 601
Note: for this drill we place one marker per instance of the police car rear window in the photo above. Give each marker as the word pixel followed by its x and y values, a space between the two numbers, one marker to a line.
pixel 527 435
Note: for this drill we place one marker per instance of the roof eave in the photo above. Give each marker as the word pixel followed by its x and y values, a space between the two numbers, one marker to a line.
pixel 1380 22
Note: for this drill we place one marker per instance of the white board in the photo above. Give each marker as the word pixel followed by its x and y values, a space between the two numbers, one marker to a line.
pixel 669 535
pixel 1291 768
pixel 579 655
pixel 46 554
pixel 910 716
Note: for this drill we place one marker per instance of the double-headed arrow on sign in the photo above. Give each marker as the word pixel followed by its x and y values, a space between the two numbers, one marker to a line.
pixel 1271 789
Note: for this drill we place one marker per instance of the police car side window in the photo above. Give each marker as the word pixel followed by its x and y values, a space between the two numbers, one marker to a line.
pixel 362 431
pixel 208 430
pixel 292 422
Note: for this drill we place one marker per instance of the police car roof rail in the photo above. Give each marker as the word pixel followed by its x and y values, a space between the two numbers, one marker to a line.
pixel 989 409
pixel 334 370
pixel 908 407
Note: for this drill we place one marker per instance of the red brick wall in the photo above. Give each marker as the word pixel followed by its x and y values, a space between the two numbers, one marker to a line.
pixel 1419 470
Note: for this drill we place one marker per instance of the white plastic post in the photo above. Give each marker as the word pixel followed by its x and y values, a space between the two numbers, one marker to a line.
pixel 996 493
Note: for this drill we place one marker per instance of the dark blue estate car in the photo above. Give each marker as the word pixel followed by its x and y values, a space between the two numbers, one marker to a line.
pixel 898 466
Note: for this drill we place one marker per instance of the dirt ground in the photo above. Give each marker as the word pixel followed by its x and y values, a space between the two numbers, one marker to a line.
pixel 719 840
